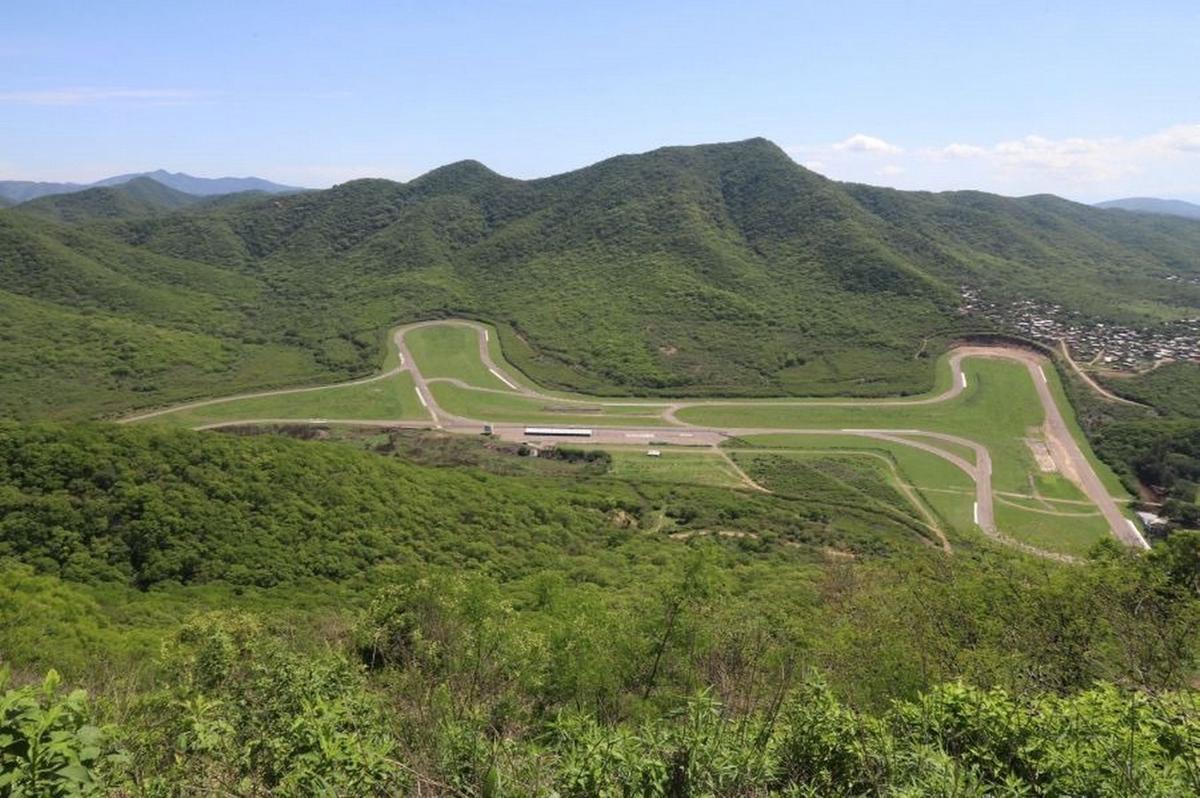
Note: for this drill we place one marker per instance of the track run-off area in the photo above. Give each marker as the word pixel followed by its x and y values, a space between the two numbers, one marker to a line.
pixel 994 447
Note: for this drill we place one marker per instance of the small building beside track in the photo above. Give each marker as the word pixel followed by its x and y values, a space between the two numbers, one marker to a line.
pixel 559 432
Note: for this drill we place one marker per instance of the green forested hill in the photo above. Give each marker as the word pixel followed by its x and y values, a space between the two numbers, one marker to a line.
pixel 91 324
pixel 272 617
pixel 1045 248
pixel 719 269
pixel 141 196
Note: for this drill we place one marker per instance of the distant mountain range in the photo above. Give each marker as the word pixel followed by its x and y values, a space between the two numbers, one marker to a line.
pixel 17 191
pixel 139 197
pixel 1167 207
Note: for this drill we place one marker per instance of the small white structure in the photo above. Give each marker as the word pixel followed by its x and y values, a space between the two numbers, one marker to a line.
pixel 654 453
pixel 565 432
pixel 1153 524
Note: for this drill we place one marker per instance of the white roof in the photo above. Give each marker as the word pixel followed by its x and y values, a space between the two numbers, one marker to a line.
pixel 557 431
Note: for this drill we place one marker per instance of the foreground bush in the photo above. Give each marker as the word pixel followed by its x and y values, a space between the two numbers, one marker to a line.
pixel 49 746
pixel 240 714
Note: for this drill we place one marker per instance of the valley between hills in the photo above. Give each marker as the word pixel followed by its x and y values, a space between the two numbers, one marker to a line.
pixel 472 392
pixel 689 472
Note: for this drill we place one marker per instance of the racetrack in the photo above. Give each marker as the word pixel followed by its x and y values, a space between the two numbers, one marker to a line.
pixel 604 417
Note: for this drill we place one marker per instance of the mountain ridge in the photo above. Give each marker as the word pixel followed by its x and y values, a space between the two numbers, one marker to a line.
pixel 141 196
pixel 19 191
pixel 715 269
pixel 1166 207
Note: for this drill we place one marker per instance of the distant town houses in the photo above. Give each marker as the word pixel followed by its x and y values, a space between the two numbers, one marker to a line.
pixel 1103 344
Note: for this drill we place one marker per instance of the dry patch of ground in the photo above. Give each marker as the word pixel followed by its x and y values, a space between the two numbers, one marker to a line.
pixel 1041 453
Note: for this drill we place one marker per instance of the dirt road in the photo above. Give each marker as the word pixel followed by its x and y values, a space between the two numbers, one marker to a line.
pixel 1091 383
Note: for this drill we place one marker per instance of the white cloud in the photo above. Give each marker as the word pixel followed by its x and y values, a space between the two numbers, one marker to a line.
pixel 959 151
pixel 861 142
pixel 88 96
pixel 1180 137
pixel 1084 158
pixel 1159 163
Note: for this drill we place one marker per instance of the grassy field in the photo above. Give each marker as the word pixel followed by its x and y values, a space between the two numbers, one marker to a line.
pixel 392 399
pixel 1044 505
pixel 964 452
pixel 918 467
pixel 948 491
pixel 686 466
pixel 998 409
pixel 847 476
pixel 451 351
pixel 391 358
pixel 842 481
pixel 502 342
pixel 1053 486
pixel 1068 534
pixel 493 406
pixel 951 493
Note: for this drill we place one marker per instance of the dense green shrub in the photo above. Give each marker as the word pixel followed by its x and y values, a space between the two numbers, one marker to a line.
pixel 49 745
pixel 274 725
pixel 239 712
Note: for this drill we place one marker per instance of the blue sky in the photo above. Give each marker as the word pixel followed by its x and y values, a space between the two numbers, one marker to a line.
pixel 1085 99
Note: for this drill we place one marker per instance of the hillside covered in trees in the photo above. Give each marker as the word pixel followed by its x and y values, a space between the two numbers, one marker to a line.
pixel 188 613
pixel 264 616
pixel 719 269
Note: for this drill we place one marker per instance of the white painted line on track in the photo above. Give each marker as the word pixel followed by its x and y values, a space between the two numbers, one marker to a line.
pixel 485 336
pixel 424 404
pixel 401 358
pixel 639 435
pixel 1042 374
pixel 500 377
pixel 962 378
pixel 975 512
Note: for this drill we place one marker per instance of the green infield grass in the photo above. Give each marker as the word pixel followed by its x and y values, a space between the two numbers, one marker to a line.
pixel 839 482
pixel 391 399
pixel 919 468
pixel 452 351
pixel 1067 534
pixel 999 409
pixel 946 490
pixel 496 406
pixel 687 466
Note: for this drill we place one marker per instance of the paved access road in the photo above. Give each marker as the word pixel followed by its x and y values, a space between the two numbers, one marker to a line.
pixel 1067 453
